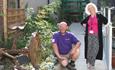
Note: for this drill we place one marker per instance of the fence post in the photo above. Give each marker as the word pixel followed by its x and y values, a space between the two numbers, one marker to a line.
pixel 5 19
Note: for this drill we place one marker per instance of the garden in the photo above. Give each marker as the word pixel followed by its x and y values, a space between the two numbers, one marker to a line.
pixel 44 22
pixel 40 25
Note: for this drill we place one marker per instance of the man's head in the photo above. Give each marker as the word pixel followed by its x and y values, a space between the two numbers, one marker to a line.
pixel 62 27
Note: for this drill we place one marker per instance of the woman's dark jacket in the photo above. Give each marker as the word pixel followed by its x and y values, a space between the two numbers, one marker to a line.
pixel 101 20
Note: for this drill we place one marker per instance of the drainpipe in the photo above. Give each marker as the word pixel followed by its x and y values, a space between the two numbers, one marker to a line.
pixel 104 12
pixel 110 37
pixel 48 1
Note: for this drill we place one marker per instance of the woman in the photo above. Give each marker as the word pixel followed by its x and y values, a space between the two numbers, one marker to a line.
pixel 93 36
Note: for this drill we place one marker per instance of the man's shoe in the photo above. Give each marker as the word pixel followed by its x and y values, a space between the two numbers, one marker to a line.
pixel 72 64
pixel 71 67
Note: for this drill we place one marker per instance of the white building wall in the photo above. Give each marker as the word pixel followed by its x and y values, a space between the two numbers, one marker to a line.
pixel 94 1
pixel 35 3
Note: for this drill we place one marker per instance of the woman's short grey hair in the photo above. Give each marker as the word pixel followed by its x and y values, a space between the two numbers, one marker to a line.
pixel 86 8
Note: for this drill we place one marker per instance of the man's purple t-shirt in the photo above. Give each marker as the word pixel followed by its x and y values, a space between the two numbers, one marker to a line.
pixel 64 42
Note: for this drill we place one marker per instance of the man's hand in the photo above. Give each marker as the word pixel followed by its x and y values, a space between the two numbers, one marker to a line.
pixel 75 48
pixel 62 58
pixel 78 44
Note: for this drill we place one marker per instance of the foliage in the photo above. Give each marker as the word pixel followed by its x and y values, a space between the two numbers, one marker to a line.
pixel 1 14
pixel 8 65
pixel 50 13
pixel 22 41
pixel 44 23
pixel 27 67
pixel 44 53
pixel 48 64
pixel 1 40
pixel 9 42
pixel 104 3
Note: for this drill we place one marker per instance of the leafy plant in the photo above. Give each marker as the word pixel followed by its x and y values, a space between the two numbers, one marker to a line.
pixel 42 22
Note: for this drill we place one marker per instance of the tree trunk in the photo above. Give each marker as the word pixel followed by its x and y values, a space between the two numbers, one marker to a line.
pixel 34 50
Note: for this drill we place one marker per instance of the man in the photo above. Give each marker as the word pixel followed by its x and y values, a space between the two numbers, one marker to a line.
pixel 65 46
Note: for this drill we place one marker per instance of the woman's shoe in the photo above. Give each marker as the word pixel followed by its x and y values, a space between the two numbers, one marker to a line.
pixel 91 67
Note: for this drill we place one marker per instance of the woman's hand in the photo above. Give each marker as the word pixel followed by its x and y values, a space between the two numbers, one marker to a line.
pixel 84 25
